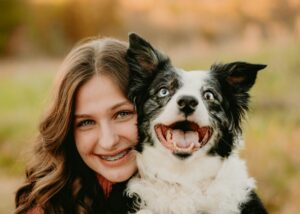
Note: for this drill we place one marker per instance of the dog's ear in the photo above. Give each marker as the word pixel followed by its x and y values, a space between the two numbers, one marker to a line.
pixel 144 63
pixel 240 76
pixel 235 81
pixel 143 55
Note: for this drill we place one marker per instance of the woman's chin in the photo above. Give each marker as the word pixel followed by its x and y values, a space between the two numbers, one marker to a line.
pixel 121 174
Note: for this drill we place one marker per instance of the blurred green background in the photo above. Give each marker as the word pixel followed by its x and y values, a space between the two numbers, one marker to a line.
pixel 35 35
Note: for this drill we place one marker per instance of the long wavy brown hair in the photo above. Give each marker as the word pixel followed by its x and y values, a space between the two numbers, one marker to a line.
pixel 57 180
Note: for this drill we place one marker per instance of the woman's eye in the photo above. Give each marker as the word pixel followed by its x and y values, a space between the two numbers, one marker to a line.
pixel 123 114
pixel 85 123
pixel 208 95
pixel 163 92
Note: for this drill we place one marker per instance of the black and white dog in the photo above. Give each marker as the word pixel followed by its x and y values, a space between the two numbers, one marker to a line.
pixel 189 126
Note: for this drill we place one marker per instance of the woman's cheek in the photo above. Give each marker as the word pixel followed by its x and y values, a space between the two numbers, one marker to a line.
pixel 128 130
pixel 85 140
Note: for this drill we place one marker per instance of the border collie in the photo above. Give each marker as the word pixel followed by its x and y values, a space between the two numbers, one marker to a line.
pixel 189 126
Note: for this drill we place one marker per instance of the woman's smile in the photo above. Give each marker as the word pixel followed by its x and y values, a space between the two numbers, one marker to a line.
pixel 118 158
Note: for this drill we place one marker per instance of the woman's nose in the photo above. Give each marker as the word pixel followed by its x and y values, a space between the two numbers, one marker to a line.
pixel 108 137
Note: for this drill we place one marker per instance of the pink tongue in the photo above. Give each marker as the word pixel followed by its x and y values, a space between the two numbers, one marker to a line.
pixel 184 139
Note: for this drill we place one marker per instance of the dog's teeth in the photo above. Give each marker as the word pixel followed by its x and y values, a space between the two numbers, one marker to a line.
pixel 197 145
pixel 169 135
pixel 205 138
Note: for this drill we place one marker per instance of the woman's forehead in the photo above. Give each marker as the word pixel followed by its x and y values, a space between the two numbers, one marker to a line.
pixel 99 93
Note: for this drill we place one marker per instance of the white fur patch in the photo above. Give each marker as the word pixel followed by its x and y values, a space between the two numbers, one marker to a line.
pixel 204 184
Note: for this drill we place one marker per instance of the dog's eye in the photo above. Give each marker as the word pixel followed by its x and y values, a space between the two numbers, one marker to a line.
pixel 163 92
pixel 208 95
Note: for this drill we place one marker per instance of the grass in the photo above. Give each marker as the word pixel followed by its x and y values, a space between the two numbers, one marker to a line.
pixel 272 130
pixel 271 152
pixel 23 94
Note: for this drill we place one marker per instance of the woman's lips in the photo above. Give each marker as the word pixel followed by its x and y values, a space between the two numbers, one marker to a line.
pixel 117 158
pixel 114 157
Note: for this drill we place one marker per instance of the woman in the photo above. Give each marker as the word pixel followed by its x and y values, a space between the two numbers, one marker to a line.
pixel 84 153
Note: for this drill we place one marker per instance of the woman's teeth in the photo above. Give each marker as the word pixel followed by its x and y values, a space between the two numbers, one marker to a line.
pixel 115 157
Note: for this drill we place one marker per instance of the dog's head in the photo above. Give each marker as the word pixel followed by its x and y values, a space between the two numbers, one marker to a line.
pixel 185 112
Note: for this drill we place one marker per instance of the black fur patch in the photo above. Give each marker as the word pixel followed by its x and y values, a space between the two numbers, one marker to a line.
pixel 233 83
pixel 235 80
pixel 182 155
pixel 254 205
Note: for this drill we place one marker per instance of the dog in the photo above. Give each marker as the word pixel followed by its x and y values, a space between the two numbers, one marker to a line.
pixel 189 126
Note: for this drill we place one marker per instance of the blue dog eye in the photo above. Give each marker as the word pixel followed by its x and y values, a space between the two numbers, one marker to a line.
pixel 163 92
pixel 208 95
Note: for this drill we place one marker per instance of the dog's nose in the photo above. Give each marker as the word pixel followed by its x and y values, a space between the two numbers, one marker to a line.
pixel 187 104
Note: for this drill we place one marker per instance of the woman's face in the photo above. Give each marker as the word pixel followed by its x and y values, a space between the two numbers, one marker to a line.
pixel 105 129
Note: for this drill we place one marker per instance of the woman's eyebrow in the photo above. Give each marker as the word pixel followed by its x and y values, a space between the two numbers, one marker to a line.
pixel 116 106
pixel 120 104
pixel 78 116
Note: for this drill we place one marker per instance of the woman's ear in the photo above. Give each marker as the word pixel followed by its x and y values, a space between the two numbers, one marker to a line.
pixel 240 76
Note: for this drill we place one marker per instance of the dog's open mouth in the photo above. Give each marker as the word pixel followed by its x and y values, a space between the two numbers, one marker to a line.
pixel 184 137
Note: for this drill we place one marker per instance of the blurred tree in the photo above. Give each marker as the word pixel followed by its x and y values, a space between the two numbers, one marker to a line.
pixel 82 18
pixel 52 27
pixel 56 27
pixel 11 17
pixel 46 28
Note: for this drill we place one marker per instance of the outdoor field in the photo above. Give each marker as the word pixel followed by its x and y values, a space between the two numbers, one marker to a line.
pixel 272 128
pixel 36 35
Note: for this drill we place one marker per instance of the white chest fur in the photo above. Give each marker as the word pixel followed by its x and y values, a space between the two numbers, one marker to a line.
pixel 201 184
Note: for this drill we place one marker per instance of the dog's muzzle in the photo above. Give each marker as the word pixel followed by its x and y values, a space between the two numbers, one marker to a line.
pixel 184 137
